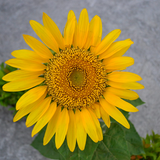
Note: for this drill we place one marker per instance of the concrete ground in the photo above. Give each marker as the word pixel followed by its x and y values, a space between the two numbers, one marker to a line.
pixel 138 20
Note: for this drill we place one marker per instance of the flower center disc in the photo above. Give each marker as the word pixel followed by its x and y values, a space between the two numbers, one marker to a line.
pixel 75 78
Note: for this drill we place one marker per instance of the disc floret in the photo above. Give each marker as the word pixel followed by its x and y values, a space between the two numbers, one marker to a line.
pixel 75 78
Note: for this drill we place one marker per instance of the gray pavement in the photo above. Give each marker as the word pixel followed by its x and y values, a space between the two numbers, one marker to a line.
pixel 138 20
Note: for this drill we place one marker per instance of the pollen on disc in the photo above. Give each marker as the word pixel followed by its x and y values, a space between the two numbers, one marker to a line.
pixel 75 78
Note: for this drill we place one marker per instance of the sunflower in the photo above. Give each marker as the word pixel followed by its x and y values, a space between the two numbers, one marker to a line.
pixel 72 80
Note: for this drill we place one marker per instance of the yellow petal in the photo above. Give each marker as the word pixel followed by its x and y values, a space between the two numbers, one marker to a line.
pixel 96 110
pixel 26 64
pixel 44 35
pixel 123 93
pixel 94 33
pixel 107 41
pixel 97 124
pixel 62 128
pixel 35 115
pixel 22 84
pixel 69 31
pixel 71 134
pixel 129 85
pixel 38 47
pixel 118 63
pixel 89 125
pixel 105 117
pixel 122 51
pixel 45 118
pixel 20 74
pixel 52 27
pixel 118 102
pixel 31 96
pixel 114 113
pixel 81 133
pixel 81 31
pixel 70 14
pixel 123 77
pixel 24 111
pixel 116 49
pixel 52 126
pixel 28 55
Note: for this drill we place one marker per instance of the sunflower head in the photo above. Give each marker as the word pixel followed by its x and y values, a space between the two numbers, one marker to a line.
pixel 75 78
pixel 72 80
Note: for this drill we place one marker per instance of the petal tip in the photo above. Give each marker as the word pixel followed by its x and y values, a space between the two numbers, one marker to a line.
pixel 84 9
pixel 118 30
pixel 137 109
pixel 6 62
pixel 32 134
pixel 3 78
pixel 44 15
pixel 131 41
pixel 142 87
pixel 14 119
pixel 44 142
pixel 58 146
pixel 31 22
pixel 72 150
pixel 4 87
pixel 25 36
pixel 140 78
pixel 128 126
pixel 82 149
pixel 27 124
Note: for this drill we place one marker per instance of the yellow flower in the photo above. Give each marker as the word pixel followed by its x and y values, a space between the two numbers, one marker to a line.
pixel 73 80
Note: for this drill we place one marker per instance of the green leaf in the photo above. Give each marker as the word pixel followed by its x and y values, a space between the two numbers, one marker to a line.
pixel 147 140
pixel 134 141
pixel 63 153
pixel 2 66
pixel 4 95
pixel 118 143
pixel 113 146
pixel 2 82
pixel 158 158
pixel 3 104
pixel 10 68
pixel 49 150
pixel 157 149
pixel 152 151
pixel 87 154
pixel 152 155
pixel 1 74
pixel 136 102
